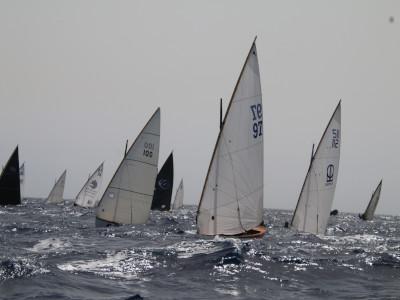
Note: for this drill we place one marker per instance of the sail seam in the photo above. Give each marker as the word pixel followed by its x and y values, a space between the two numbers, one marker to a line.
pixel 126 190
pixel 154 165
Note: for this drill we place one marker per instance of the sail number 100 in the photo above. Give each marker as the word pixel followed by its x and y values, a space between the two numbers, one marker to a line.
pixel 148 149
pixel 256 110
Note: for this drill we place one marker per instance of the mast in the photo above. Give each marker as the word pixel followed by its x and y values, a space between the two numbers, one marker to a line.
pixel 126 147
pixel 220 114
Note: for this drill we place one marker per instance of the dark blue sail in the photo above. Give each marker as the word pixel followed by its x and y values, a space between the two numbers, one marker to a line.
pixel 9 181
pixel 163 187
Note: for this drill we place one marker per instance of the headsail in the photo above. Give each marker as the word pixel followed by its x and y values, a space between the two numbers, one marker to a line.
pixel 10 192
pixel 89 194
pixel 163 187
pixel 128 197
pixel 370 211
pixel 22 179
pixel 178 202
pixel 232 198
pixel 56 194
pixel 316 196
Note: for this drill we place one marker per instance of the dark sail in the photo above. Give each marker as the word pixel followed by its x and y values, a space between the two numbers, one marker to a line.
pixel 163 187
pixel 9 181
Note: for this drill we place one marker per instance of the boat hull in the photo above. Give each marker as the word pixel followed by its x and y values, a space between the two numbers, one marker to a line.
pixel 255 233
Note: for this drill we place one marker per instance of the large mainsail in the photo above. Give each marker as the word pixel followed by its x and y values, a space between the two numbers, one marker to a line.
pixel 128 197
pixel 316 196
pixel 22 179
pixel 10 192
pixel 178 202
pixel 163 186
pixel 56 194
pixel 89 194
pixel 370 211
pixel 232 198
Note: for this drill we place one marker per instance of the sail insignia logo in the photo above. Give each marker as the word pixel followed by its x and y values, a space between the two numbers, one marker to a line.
pixel 93 184
pixel 163 184
pixel 330 171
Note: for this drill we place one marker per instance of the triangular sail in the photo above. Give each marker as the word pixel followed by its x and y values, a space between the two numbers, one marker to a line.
pixel 89 194
pixel 178 202
pixel 232 198
pixel 22 179
pixel 163 186
pixel 316 197
pixel 10 192
pixel 128 197
pixel 370 211
pixel 56 194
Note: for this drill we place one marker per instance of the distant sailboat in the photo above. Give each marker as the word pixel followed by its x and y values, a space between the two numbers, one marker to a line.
pixel 56 194
pixel 370 211
pixel 128 197
pixel 316 196
pixel 163 187
pixel 89 194
pixel 232 199
pixel 22 179
pixel 10 191
pixel 178 202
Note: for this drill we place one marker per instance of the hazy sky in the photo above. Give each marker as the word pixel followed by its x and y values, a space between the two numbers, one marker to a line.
pixel 79 77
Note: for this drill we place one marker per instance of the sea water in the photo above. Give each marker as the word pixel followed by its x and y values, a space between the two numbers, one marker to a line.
pixel 55 252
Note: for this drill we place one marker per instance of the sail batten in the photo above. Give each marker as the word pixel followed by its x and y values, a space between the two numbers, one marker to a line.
pixel 88 196
pixel 128 196
pixel 373 203
pixel 232 200
pixel 316 195
pixel 10 189
pixel 56 193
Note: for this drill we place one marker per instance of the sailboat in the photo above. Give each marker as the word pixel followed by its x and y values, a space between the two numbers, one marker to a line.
pixel 128 197
pixel 10 193
pixel 178 201
pixel 231 202
pixel 163 186
pixel 316 196
pixel 56 193
pixel 88 195
pixel 370 211
pixel 22 179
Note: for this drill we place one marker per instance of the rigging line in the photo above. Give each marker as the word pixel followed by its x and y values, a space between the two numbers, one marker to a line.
pixel 235 186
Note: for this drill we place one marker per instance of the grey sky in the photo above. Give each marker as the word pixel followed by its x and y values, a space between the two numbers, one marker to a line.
pixel 79 77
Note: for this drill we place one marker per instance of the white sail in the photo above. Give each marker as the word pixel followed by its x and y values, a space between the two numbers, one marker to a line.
pixel 232 198
pixel 128 197
pixel 56 194
pixel 89 194
pixel 178 201
pixel 370 211
pixel 316 197
pixel 22 179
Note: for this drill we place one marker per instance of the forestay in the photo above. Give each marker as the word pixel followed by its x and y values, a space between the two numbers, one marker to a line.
pixel 232 198
pixel 316 196
pixel 178 201
pixel 128 197
pixel 56 194
pixel 88 196
pixel 370 211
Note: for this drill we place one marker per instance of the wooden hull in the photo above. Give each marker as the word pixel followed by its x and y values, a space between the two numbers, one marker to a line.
pixel 255 233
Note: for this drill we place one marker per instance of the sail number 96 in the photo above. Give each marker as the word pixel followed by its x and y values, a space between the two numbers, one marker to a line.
pixel 256 110
pixel 148 149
